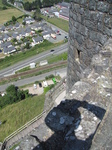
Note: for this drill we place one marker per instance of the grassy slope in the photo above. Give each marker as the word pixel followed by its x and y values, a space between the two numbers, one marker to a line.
pixel 6 15
pixel 16 115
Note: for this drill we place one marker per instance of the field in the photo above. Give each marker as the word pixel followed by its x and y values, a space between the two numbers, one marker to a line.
pixel 62 24
pixel 1 5
pixel 6 15
pixel 16 115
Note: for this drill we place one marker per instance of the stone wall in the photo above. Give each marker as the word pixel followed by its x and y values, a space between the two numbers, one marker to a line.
pixel 90 26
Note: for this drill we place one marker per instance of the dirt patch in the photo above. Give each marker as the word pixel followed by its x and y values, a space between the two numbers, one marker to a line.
pixel 38 90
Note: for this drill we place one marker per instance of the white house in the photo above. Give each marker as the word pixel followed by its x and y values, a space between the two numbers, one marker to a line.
pixel 37 40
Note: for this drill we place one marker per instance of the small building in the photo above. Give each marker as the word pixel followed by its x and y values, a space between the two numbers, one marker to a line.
pixel 44 62
pixel 37 40
pixel 45 84
pixel 32 65
pixel 64 14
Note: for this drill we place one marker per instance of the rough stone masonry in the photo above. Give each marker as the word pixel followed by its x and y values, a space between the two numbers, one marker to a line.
pixel 90 26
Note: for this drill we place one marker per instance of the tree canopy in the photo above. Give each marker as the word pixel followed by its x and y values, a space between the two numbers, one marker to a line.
pixel 13 94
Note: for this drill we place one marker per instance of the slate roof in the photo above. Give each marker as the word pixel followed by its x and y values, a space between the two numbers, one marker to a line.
pixel 64 4
pixel 14 35
pixel 17 24
pixel 47 32
pixel 6 44
pixel 6 36
pixel 64 12
pixel 28 30
pixel 10 27
pixel 38 39
pixel 9 49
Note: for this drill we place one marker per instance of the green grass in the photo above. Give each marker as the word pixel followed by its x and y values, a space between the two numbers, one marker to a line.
pixel 6 15
pixel 46 89
pixel 57 58
pixel 62 24
pixel 12 59
pixel 1 5
pixel 16 115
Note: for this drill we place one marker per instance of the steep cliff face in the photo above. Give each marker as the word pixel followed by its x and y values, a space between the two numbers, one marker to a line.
pixel 90 26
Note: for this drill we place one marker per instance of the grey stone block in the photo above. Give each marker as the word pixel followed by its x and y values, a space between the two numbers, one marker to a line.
pixel 92 5
pixel 92 35
pixel 103 6
pixel 100 26
pixel 90 25
pixel 107 21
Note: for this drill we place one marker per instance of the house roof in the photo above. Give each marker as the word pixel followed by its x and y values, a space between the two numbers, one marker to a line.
pixel 6 44
pixel 47 32
pixel 17 24
pixel 9 49
pixel 64 12
pixel 38 39
pixel 64 4
pixel 14 35
pixel 6 36
pixel 10 27
pixel 28 30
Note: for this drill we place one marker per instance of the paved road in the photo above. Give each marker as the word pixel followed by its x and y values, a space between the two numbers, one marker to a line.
pixel 35 59
pixel 33 79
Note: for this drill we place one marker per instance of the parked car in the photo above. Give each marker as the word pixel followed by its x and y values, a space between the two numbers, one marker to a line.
pixel 40 84
pixel 52 50
pixel 66 37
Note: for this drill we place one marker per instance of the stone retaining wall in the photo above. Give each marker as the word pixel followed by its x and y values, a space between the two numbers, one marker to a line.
pixel 53 94
pixel 90 26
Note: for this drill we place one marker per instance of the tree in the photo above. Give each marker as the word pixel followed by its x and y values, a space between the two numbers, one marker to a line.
pixel 14 18
pixel 36 14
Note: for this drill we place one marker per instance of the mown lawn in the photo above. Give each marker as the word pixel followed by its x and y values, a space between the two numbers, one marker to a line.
pixel 62 24
pixel 12 59
pixel 57 58
pixel 16 115
pixel 6 15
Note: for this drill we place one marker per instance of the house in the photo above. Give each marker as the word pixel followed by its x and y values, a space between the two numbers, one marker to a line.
pixel 2 29
pixel 6 37
pixel 28 31
pixel 46 34
pixel 37 40
pixel 18 4
pixel 9 50
pixel 17 25
pixel 63 5
pixel 64 14
pixel 14 35
pixel 36 27
pixel 6 44
pixel 10 27
pixel 21 34
pixel 29 20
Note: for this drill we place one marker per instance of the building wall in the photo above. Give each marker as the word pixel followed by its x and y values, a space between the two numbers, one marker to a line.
pixel 90 26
